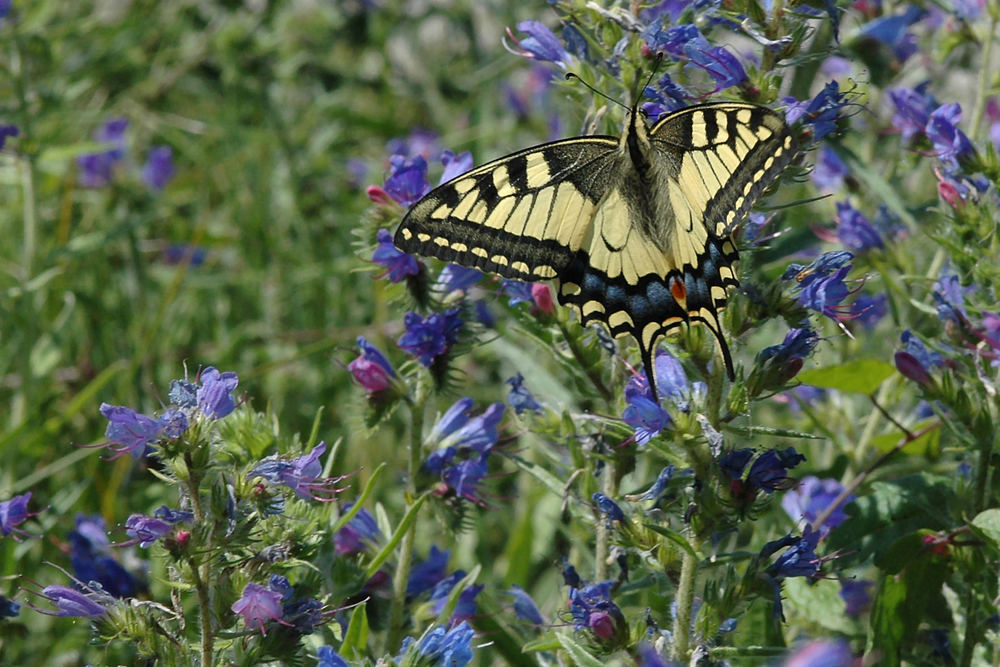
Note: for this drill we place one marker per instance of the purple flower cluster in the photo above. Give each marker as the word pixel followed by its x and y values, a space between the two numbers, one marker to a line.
pixel 463 445
pixel 427 338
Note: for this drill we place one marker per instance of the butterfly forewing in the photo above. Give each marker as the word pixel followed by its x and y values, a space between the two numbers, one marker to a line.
pixel 522 216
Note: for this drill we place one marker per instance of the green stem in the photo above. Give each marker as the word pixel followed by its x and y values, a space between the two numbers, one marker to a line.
pixel 982 92
pixel 402 574
pixel 610 489
pixel 684 600
pixel 595 379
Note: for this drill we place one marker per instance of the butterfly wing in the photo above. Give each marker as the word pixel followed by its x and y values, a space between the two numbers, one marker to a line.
pixel 659 253
pixel 523 216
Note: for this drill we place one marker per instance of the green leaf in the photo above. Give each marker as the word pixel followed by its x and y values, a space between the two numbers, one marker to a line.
pixel 397 537
pixel 819 602
pixel 360 502
pixel 547 642
pixel 862 376
pixel 579 655
pixel 773 431
pixel 673 537
pixel 356 638
pixel 988 524
pixel 928 444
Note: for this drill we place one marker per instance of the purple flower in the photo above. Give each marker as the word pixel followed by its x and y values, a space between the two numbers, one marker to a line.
pixel 146 529
pixel 822 113
pixel 408 181
pixel 172 516
pixel 524 606
pixel 821 653
pixel 591 609
pixel 913 109
pixel 73 603
pixel 91 560
pixel 214 394
pixel 430 338
pixel 455 165
pixel 855 596
pixel 159 167
pixel 300 474
pixel 447 648
pixel 734 462
pixel 359 532
pixel 371 370
pixel 397 264
pixel 915 360
pixel 820 267
pixel 855 231
pixel 659 487
pixel 129 431
pixel 464 477
pixel 425 575
pixel 519 292
pixel 811 498
pixel 769 471
pixel 609 509
pixel 540 43
pixel 519 397
pixel 419 142
pixel 6 132
pixel 569 574
pixel 830 170
pixel 14 512
pixel 96 168
pixel 258 605
pixel 950 143
pixel 455 278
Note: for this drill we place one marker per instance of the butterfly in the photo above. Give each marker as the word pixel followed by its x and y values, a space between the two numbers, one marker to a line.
pixel 635 230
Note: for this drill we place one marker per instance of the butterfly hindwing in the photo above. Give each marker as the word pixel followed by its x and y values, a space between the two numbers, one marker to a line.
pixel 522 216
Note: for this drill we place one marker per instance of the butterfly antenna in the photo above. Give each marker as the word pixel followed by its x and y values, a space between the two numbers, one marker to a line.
pixel 571 75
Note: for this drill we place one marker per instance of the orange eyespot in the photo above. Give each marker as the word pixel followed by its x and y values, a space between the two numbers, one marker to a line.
pixel 678 291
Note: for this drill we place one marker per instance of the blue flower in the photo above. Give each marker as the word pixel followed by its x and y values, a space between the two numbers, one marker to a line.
pixel 129 431
pixel 91 559
pixel 215 393
pixel 869 310
pixel 665 96
pixel 430 338
pixel 822 113
pixel 519 292
pixel 455 165
pixel 855 231
pixel 569 574
pixel 609 508
pixel 96 168
pixel 724 68
pixel 950 143
pixel 671 40
pixel 258 606
pixel 360 532
pixel 519 397
pixel 524 606
pixel 780 363
pixel 659 487
pixel 300 474
pixel 913 109
pixel 891 31
pixel 733 462
pixel 915 361
pixel 458 429
pixel 407 182
pixel 14 512
pixel 455 278
pixel 646 417
pixel 159 167
pixel 425 575
pixel 799 560
pixel 8 608
pixel 591 609
pixel 89 603
pixel 540 43
pixel 146 529
pixel 397 264
pixel 6 132
pixel 444 648
pixel 769 471
pixel 419 142
pixel 949 296
pixel 830 170
pixel 329 658
pixel 464 477
pixel 465 607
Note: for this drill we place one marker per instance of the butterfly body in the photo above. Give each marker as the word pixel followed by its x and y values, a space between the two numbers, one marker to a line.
pixel 635 230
